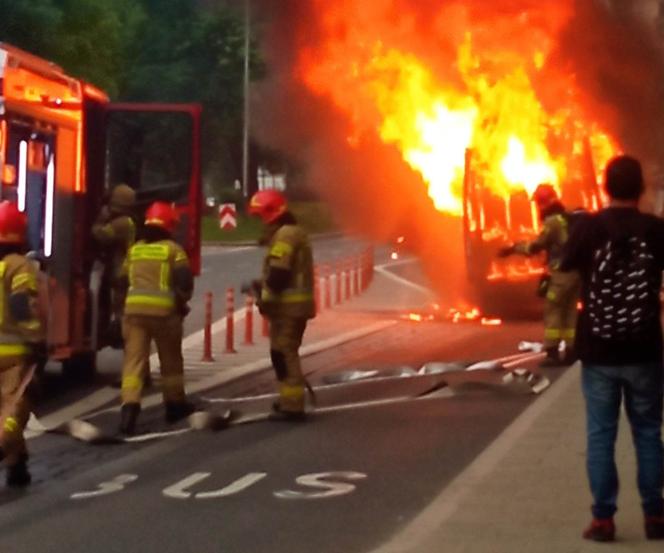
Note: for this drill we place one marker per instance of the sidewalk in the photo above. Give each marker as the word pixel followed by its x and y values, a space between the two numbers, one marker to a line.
pixel 342 323
pixel 527 492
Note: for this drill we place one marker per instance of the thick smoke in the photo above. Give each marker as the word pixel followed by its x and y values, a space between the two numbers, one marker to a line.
pixel 619 63
pixel 613 56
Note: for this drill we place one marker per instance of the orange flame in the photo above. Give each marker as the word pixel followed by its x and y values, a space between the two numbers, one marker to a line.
pixel 489 101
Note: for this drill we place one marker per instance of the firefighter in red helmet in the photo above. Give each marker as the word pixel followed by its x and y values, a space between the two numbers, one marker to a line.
pixel 560 289
pixel 285 297
pixel 160 283
pixel 21 340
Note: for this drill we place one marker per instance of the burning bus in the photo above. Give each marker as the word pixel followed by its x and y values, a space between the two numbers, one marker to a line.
pixel 493 218
pixel 63 146
pixel 482 101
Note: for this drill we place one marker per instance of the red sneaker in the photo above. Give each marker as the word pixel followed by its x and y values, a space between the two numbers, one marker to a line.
pixel 654 527
pixel 600 529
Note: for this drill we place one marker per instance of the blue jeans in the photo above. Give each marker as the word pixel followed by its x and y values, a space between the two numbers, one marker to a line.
pixel 603 389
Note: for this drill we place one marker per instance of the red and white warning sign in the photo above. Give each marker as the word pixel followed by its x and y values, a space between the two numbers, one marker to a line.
pixel 227 217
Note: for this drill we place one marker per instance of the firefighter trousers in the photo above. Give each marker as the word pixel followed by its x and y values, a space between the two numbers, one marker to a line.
pixel 15 408
pixel 138 332
pixel 561 309
pixel 285 340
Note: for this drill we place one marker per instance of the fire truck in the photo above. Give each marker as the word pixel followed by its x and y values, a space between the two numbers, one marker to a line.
pixel 63 146
pixel 508 286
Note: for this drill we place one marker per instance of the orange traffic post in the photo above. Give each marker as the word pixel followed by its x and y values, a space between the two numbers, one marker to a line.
pixel 358 273
pixel 337 282
pixel 207 332
pixel 346 279
pixel 317 301
pixel 249 322
pixel 230 321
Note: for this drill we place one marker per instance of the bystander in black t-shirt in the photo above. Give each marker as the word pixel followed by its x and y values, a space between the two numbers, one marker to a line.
pixel 590 233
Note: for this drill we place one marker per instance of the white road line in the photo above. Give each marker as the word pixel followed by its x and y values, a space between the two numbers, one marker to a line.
pixel 404 281
pixel 411 538
pixel 405 261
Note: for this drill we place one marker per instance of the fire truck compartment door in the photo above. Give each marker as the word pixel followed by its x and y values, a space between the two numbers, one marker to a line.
pixel 155 149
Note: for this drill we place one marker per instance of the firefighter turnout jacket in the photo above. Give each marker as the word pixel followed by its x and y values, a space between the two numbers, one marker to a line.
pixel 116 236
pixel 20 324
pixel 160 279
pixel 551 239
pixel 289 252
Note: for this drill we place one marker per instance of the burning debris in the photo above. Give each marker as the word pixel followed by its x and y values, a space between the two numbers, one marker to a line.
pixel 454 315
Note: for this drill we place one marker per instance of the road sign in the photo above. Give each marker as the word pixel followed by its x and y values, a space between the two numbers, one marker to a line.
pixel 227 217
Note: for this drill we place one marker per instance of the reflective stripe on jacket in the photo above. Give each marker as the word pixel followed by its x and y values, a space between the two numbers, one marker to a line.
pixel 290 249
pixel 149 268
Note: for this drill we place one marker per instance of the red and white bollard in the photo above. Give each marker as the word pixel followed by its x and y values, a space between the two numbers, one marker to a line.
pixel 337 283
pixel 347 280
pixel 249 322
pixel 207 331
pixel 358 278
pixel 230 321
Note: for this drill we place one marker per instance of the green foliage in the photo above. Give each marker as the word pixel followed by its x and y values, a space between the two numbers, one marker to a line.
pixel 31 25
pixel 315 217
pixel 149 51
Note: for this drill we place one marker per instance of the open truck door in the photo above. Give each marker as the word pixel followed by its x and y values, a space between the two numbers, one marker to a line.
pixel 155 149
pixel 63 147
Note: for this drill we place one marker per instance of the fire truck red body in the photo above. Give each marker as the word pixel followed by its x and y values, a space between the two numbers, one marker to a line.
pixel 63 146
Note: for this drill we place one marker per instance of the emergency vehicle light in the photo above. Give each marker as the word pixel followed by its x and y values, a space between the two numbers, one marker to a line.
pixel 22 174
pixel 48 216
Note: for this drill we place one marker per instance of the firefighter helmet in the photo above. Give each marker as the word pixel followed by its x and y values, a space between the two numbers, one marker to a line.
pixel 123 197
pixel 545 195
pixel 13 223
pixel 269 205
pixel 162 214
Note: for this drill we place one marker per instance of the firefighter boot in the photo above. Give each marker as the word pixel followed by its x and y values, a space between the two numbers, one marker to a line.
pixel 128 418
pixel 18 475
pixel 552 359
pixel 178 410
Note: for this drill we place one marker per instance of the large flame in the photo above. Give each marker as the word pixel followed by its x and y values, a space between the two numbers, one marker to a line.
pixel 487 96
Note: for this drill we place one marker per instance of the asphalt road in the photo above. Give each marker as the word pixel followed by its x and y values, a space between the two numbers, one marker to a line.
pixel 345 481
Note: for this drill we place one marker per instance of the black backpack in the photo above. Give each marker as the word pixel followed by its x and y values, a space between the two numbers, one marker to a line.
pixel 623 298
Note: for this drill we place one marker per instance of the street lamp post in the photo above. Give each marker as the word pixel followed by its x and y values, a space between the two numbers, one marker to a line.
pixel 245 134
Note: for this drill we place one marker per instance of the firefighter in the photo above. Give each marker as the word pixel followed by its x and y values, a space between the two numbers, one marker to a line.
pixel 160 283
pixel 286 298
pixel 21 341
pixel 560 289
pixel 114 232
